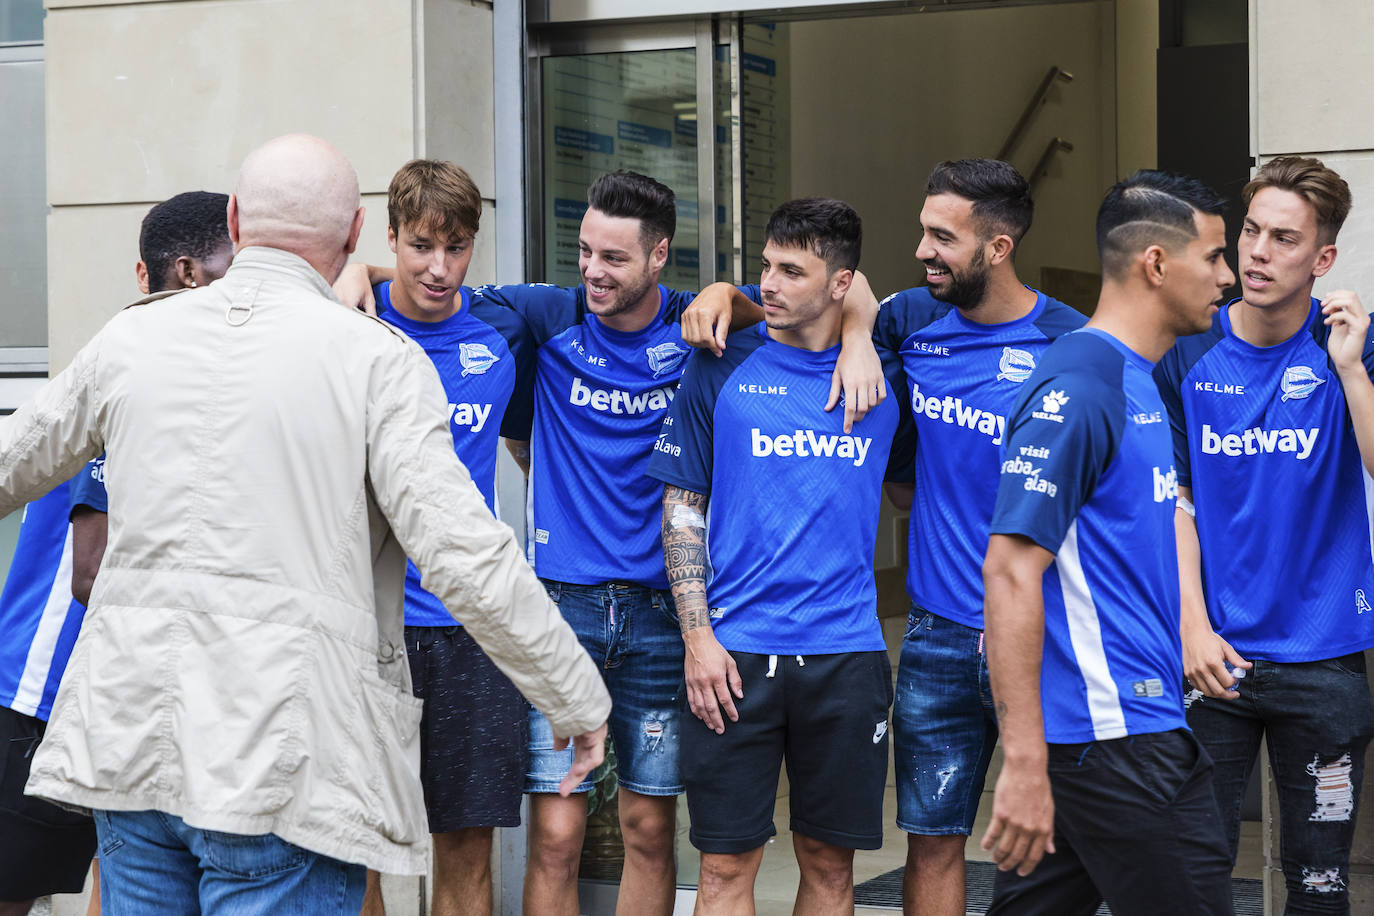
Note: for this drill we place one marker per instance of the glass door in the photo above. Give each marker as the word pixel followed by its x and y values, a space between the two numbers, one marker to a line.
pixel 634 99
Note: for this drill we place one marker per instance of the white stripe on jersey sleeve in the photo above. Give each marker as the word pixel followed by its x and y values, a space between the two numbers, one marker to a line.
pixel 1104 705
pixel 1368 504
pixel 29 694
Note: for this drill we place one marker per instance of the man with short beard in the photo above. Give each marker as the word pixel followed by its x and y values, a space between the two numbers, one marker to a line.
pixel 786 663
pixel 967 342
pixel 607 361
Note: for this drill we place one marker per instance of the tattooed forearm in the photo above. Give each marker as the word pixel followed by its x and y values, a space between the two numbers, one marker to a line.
pixel 684 554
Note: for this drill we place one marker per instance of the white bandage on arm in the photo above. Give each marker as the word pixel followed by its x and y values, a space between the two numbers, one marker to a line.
pixel 686 517
pixel 1186 505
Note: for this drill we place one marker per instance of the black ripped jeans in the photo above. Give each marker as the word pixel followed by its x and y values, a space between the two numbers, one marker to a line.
pixel 1318 719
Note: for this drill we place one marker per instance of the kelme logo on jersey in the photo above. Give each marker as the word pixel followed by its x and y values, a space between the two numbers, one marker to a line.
pixel 665 357
pixel 1050 405
pixel 1299 382
pixel 807 443
pixel 955 412
pixel 1166 485
pixel 476 358
pixel 618 401
pixel 1257 441
pixel 1015 365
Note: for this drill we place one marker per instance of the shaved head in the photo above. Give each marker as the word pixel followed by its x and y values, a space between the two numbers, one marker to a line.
pixel 300 194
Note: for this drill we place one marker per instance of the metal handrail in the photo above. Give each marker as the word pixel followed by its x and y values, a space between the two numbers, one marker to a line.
pixel 1042 166
pixel 1013 138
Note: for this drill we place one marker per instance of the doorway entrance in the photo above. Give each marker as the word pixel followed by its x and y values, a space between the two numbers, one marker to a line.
pixel 739 112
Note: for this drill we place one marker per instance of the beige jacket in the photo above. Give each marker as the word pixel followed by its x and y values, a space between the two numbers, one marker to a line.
pixel 272 459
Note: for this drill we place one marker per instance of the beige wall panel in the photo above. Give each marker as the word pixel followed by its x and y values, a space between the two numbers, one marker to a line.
pixel 1137 97
pixel 1313 61
pixel 482 270
pixel 373 247
pixel 154 99
pixel 1354 267
pixel 91 257
pixel 458 93
pixel 59 4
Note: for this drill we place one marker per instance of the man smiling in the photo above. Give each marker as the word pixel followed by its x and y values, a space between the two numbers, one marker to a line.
pixel 472 733
pixel 967 342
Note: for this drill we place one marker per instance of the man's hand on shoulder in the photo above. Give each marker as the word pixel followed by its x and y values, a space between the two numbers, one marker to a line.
pixel 713 313
pixel 354 289
pixel 858 374
pixel 857 382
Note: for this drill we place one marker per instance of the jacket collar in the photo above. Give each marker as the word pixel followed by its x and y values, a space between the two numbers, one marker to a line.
pixel 258 261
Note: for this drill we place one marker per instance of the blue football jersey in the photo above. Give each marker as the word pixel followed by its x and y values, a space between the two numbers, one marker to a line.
pixel 600 399
pixel 39 618
pixel 961 378
pixel 793 500
pixel 485 358
pixel 1088 474
pixel 1264 438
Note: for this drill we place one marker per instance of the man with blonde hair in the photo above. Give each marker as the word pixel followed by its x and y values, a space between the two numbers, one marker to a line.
pixel 237 710
pixel 1273 419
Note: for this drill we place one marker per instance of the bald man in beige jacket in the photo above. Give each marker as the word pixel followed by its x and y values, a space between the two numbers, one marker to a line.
pixel 237 711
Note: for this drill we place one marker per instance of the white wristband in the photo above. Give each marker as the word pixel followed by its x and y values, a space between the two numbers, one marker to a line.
pixel 1187 506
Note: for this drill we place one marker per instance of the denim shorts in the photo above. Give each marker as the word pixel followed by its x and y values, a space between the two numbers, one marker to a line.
pixel 944 726
pixel 632 633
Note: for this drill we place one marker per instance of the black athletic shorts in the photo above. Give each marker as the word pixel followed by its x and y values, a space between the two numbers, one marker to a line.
pixel 826 717
pixel 44 849
pixel 472 732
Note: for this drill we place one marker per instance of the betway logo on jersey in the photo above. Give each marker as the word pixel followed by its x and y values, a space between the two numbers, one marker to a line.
pixel 473 416
pixel 807 443
pixel 1258 441
pixel 617 401
pixel 955 412
pixel 1166 485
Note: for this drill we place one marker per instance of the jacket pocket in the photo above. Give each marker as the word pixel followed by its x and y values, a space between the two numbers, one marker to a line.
pixel 394 720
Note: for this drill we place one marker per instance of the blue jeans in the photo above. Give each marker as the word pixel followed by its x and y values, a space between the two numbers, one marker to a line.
pixel 943 726
pixel 1318 719
pixel 152 863
pixel 632 633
